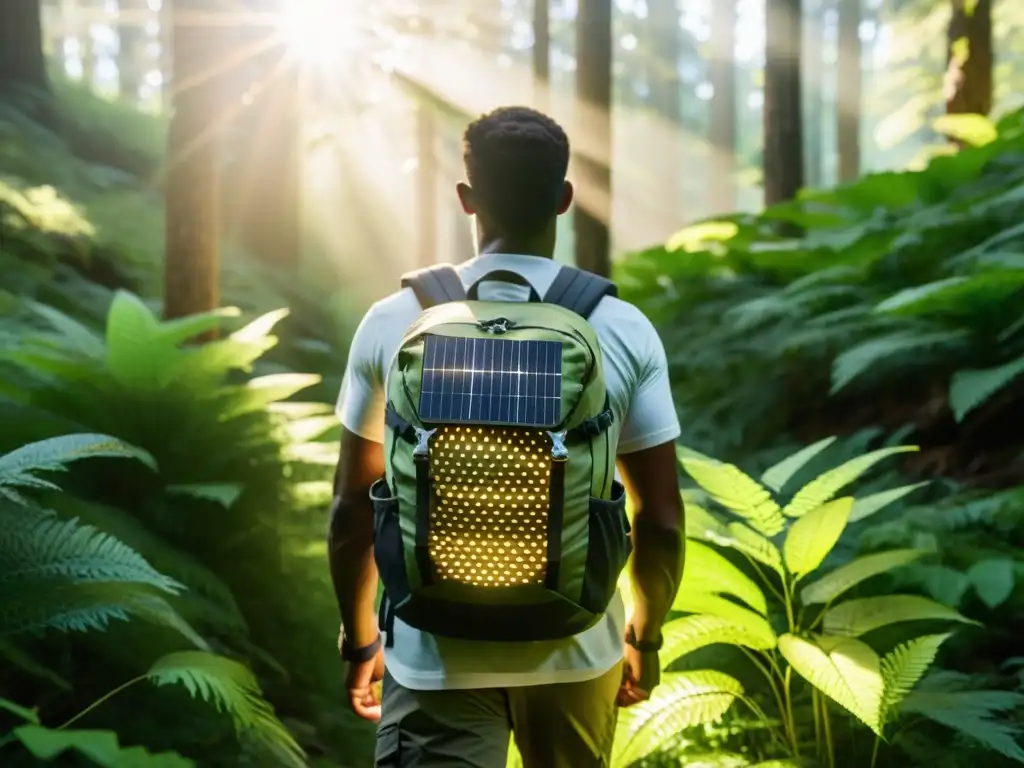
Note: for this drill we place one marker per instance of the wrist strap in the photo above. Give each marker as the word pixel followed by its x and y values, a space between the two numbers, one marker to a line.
pixel 644 646
pixel 359 655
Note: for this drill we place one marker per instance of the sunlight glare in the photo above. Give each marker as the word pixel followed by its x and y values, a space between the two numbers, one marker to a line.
pixel 317 30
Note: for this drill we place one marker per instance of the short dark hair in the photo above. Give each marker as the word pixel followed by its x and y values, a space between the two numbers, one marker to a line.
pixel 516 160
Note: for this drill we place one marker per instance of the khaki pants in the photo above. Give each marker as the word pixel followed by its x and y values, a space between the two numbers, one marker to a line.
pixel 563 725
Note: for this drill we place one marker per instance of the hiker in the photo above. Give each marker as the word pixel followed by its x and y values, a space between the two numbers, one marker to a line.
pixel 477 483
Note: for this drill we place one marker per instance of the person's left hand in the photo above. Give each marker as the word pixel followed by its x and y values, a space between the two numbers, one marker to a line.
pixel 641 672
pixel 362 681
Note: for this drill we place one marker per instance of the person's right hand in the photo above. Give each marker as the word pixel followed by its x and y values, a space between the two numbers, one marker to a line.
pixel 641 672
pixel 362 682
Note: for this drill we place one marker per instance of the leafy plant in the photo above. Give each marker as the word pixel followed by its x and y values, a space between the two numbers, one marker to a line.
pixel 795 619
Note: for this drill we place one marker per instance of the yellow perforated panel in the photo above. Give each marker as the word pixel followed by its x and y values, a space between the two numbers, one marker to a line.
pixel 488 526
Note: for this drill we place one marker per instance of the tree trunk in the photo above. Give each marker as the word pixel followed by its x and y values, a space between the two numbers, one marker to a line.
pixel 22 62
pixel 266 175
pixel 722 117
pixel 131 33
pixel 192 258
pixel 593 211
pixel 814 104
pixel 968 86
pixel 542 54
pixel 783 116
pixel 849 84
pixel 667 163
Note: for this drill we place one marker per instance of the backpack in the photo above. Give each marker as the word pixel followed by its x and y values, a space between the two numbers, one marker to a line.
pixel 499 517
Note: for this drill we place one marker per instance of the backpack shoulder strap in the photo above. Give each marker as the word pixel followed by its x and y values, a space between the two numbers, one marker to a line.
pixel 579 291
pixel 435 285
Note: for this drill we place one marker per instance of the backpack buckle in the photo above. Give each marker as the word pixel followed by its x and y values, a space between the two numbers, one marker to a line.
pixel 558 450
pixel 422 449
pixel 499 325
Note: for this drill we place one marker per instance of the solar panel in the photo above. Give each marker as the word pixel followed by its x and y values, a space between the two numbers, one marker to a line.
pixel 491 381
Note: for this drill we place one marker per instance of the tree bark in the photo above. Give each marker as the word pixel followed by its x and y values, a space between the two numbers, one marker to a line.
pixel 22 62
pixel 783 115
pixel 192 253
pixel 542 54
pixel 593 210
pixel 969 57
pixel 722 117
pixel 849 85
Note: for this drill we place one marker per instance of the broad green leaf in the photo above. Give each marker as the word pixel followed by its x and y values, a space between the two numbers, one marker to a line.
pixel 972 129
pixel 844 669
pixel 903 668
pixel 265 390
pixel 723 608
pixel 683 700
pixel 700 524
pixel 777 476
pixel 734 490
pixel 182 329
pixel 83 338
pixel 132 356
pixel 813 536
pixel 945 584
pixel 225 494
pixel 685 635
pixel 868 505
pixel 744 539
pixel 261 327
pixel 860 616
pixel 993 580
pixel 828 484
pixel 101 747
pixel 708 571
pixel 971 388
pixel 847 576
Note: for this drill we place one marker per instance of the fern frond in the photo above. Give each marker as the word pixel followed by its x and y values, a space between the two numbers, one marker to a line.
pixel 971 714
pixel 38 547
pixel 17 468
pixel 970 389
pixel 225 494
pixel 682 700
pixel 776 476
pixel 734 490
pixel 231 688
pixel 855 361
pixel 812 536
pixel 752 544
pixel 902 668
pixel 828 484
pixel 261 392
pixel 868 505
pixel 101 747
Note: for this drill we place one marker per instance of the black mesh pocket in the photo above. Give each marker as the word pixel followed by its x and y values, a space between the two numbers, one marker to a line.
pixel 388 551
pixel 607 551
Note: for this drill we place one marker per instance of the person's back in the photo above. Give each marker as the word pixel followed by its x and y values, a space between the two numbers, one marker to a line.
pixel 451 698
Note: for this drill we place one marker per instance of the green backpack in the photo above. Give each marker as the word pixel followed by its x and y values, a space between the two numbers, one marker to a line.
pixel 499 517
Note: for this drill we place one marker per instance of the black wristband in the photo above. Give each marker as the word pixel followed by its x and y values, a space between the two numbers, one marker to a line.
pixel 644 646
pixel 359 655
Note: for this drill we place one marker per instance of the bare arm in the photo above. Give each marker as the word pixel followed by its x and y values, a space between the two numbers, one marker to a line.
pixel 350 537
pixel 651 479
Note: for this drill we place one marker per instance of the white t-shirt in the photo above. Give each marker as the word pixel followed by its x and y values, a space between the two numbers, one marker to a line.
pixel 636 375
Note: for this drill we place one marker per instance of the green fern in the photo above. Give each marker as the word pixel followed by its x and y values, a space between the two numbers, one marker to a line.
pixel 19 467
pixel 902 669
pixel 683 636
pixel 707 571
pixel 972 713
pixel 231 688
pixel 734 490
pixel 778 475
pixel 856 361
pixel 860 616
pixel 971 389
pixel 811 537
pixel 100 747
pixel 683 700
pixel 825 486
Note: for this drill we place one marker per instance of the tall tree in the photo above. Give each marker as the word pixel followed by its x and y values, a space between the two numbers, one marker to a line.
pixel 541 52
pixel 849 86
pixel 131 34
pixel 594 135
pixel 968 86
pixel 22 61
pixel 814 105
pixel 783 115
pixel 192 252
pixel 722 117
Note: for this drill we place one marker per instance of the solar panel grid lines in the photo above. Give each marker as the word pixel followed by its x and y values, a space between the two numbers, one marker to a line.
pixel 491 381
